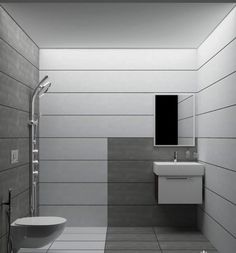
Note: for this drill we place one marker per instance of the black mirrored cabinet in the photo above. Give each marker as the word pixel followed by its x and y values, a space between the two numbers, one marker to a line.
pixel 174 120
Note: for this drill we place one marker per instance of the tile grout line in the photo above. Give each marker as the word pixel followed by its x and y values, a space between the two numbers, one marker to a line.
pixel 215 82
pixel 117 92
pixel 50 246
pixel 14 78
pixel 14 108
pixel 215 110
pixel 157 239
pixel 19 53
pixel 18 25
pixel 105 245
pixel 230 11
pixel 218 52
pixel 119 70
pixel 218 166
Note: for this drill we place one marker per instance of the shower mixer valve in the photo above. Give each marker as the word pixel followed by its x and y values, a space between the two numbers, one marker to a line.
pixel 35 173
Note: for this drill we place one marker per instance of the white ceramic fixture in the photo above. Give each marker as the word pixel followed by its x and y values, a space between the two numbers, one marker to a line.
pixel 179 182
pixel 36 232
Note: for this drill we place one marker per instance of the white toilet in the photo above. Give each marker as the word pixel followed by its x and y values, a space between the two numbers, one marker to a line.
pixel 35 232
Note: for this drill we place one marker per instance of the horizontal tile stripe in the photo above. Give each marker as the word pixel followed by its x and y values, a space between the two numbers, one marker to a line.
pixel 40 204
pixel 185 118
pixel 14 108
pixel 95 115
pixel 20 193
pixel 217 137
pixel 96 182
pixel 218 109
pixel 134 69
pixel 225 17
pixel 19 26
pixel 99 81
pixel 139 205
pixel 220 196
pixel 217 166
pixel 181 101
pixel 73 160
pixel 116 92
pixel 111 59
pixel 216 82
pixel 27 73
pixel 118 48
pixel 26 85
pixel 19 53
pixel 11 168
pixel 217 222
pixel 216 53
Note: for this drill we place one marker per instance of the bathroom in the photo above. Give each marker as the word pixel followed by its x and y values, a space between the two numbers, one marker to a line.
pixel 85 151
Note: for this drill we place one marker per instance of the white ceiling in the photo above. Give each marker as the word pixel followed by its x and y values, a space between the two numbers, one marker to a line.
pixel 118 25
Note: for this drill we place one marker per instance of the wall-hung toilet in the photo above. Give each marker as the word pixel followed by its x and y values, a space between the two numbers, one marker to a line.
pixel 35 232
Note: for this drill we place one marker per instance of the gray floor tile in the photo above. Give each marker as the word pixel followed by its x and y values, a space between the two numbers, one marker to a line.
pixel 75 251
pixel 82 237
pixel 171 230
pixel 191 236
pixel 185 245
pixel 39 250
pixel 131 237
pixel 135 251
pixel 32 250
pixel 130 230
pixel 124 245
pixel 187 251
pixel 85 230
pixel 72 245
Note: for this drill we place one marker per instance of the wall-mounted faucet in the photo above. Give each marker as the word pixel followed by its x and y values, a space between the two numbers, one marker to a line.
pixel 8 203
pixel 175 156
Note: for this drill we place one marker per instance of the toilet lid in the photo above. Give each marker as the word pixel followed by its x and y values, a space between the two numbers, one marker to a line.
pixel 40 221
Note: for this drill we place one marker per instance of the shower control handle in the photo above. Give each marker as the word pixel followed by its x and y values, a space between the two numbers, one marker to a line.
pixel 35 173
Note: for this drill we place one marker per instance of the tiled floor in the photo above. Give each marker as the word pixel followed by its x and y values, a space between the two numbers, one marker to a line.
pixel 127 240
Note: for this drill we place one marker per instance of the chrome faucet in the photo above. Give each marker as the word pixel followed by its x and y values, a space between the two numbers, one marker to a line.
pixel 175 156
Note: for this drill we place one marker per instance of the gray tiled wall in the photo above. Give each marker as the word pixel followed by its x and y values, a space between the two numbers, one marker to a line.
pixel 131 187
pixel 18 76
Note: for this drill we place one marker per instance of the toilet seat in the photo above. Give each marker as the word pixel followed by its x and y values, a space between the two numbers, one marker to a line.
pixel 40 221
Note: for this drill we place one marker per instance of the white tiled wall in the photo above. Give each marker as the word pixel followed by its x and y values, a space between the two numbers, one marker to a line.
pixel 97 126
pixel 97 94
pixel 118 59
pixel 217 135
pixel 121 81
pixel 76 171
pixel 73 148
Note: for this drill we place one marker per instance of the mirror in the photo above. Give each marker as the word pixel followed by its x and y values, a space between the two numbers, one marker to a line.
pixel 174 120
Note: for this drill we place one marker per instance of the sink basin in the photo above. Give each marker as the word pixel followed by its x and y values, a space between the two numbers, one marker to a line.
pixel 178 169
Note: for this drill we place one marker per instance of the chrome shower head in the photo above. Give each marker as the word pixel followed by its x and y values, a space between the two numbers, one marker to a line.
pixel 40 89
pixel 44 88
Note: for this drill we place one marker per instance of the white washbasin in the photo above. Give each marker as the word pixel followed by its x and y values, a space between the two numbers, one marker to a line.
pixel 178 169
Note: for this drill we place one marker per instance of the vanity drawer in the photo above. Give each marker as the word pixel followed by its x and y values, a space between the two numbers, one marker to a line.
pixel 179 189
